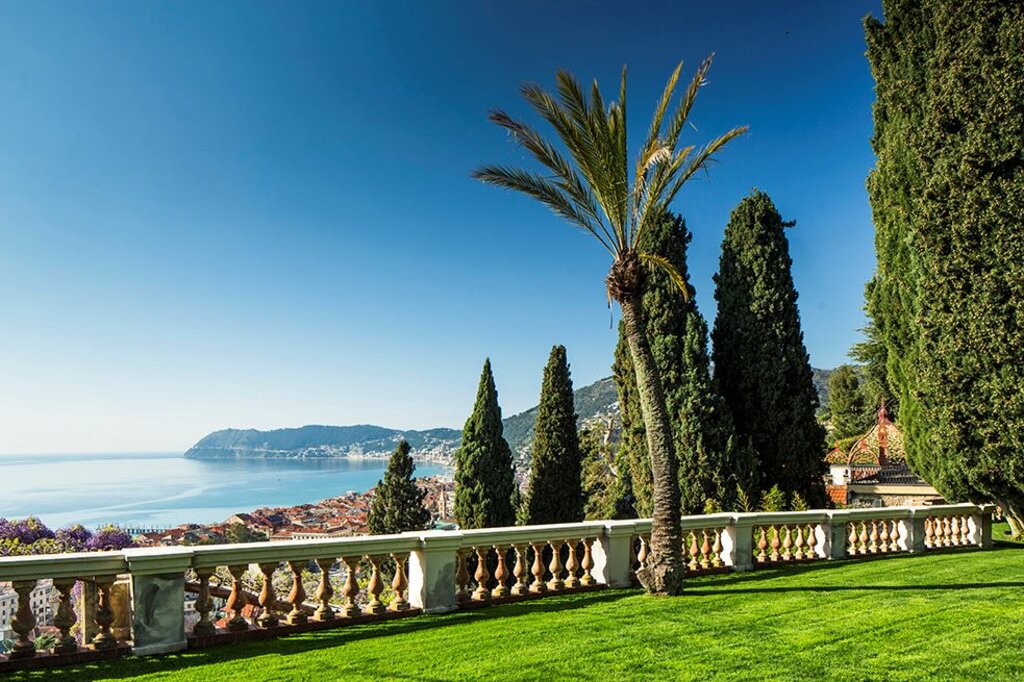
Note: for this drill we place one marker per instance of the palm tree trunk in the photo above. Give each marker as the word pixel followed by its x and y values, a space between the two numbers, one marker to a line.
pixel 663 573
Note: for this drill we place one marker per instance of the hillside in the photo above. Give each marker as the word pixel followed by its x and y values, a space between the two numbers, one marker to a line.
pixel 367 440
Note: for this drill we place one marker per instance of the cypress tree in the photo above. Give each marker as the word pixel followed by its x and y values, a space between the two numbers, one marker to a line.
pixel 397 504
pixel 484 479
pixel 761 364
pixel 711 463
pixel 851 414
pixel 555 493
pixel 947 195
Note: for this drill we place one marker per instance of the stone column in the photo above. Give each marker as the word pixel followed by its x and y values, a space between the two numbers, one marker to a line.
pixel 432 571
pixel 738 544
pixel 611 554
pixel 834 546
pixel 981 527
pixel 912 529
pixel 158 598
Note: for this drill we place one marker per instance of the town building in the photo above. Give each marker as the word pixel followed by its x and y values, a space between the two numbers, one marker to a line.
pixel 874 471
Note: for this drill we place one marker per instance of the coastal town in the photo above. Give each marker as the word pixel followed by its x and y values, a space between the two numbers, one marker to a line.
pixel 340 516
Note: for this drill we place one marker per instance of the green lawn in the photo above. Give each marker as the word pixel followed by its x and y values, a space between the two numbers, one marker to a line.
pixel 946 616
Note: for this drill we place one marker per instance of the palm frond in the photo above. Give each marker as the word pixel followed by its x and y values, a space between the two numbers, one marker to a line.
pixel 661 263
pixel 544 191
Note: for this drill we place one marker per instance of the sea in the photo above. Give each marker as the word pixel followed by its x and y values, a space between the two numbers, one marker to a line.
pixel 159 490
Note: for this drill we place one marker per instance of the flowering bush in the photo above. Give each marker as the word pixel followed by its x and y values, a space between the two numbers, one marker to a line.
pixel 31 536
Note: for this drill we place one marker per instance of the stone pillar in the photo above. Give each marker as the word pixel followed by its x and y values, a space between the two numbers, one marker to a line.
pixel 981 527
pixel 158 598
pixel 912 529
pixel 738 544
pixel 611 554
pixel 834 546
pixel 432 571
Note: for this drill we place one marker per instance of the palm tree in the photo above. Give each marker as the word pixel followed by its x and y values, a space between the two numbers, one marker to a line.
pixel 594 189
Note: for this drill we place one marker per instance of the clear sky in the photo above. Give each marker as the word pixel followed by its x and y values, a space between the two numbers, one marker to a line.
pixel 260 214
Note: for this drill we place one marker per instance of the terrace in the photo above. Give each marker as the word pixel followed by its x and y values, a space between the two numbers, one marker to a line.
pixel 937 605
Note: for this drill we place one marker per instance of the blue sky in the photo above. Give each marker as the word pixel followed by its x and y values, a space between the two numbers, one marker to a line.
pixel 260 214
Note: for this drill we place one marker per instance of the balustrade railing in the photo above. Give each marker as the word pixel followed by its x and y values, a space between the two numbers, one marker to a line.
pixel 274 588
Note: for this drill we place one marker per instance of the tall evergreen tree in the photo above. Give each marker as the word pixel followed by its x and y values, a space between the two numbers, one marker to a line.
pixel 761 364
pixel 851 414
pixel 397 504
pixel 947 195
pixel 711 463
pixel 484 478
pixel 555 493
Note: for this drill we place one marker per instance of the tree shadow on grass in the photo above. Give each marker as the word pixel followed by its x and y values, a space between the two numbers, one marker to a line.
pixel 697 592
pixel 301 643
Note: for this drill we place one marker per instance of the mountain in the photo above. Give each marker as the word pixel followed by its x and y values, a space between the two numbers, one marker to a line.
pixel 367 440
pixel 318 441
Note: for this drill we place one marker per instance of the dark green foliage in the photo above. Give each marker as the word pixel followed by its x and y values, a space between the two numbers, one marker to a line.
pixel 761 364
pixel 484 481
pixel 239 532
pixel 947 196
pixel 555 493
pixel 397 504
pixel 607 485
pixel 710 462
pixel 850 412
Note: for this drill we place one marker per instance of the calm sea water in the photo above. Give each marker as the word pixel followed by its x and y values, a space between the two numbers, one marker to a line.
pixel 165 489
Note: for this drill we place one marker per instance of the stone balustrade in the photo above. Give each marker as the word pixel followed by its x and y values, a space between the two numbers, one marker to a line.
pixel 275 588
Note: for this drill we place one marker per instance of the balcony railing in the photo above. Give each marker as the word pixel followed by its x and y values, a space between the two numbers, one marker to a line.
pixel 394 576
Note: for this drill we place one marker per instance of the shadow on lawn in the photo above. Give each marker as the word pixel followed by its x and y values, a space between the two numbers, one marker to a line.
pixel 313 641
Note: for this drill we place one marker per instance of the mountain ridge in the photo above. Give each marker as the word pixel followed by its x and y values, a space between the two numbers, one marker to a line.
pixel 372 441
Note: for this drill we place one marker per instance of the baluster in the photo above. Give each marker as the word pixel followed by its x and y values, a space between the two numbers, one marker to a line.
pixel 588 563
pixel 324 592
pixel 571 565
pixel 204 604
pixel 705 550
pixel 65 617
pixel 482 575
pixel 716 549
pixel 519 570
pixel 895 537
pixel 236 600
pixel 267 617
pixel 399 584
pixel 374 606
pixel 538 586
pixel 947 533
pixel 297 595
pixel 762 545
pixel 461 578
pixel 812 542
pixel 798 542
pixel 873 547
pixel 350 589
pixel 965 531
pixel 936 532
pixel 851 541
pixel 693 551
pixel 954 536
pixel 633 561
pixel 104 617
pixel 645 550
pixel 787 544
pixel 24 621
pixel 884 537
pixel 863 537
pixel 555 583
pixel 776 542
pixel 500 573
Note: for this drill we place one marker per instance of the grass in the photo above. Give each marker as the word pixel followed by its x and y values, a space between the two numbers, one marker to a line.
pixel 944 616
